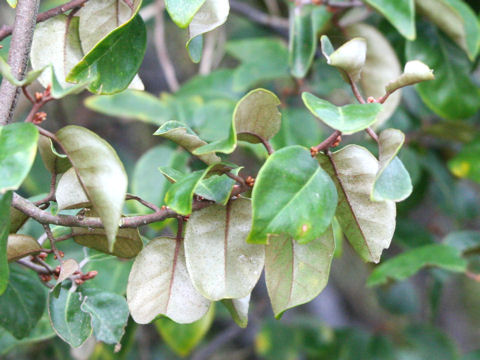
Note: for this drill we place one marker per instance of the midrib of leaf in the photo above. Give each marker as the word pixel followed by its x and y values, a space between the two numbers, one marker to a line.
pixel 348 203
pixel 174 266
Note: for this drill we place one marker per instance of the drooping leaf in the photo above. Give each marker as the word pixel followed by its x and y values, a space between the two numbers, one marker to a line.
pixel 401 15
pixel 159 284
pixel 238 309
pixel 5 201
pixel 392 181
pixel 183 338
pixel 347 119
pixel 211 15
pixel 185 137
pixel 228 267
pixel 19 246
pixel 109 314
pixel 54 162
pixel 18 146
pixel 133 104
pixel 381 67
pixel 23 302
pixel 465 164
pixel 69 192
pixel 111 65
pixel 456 19
pixel 6 71
pixel 451 75
pixel 296 273
pixel 368 225
pixel 56 42
pixel 410 262
pixel 70 323
pixel 100 172
pixel 414 72
pixel 292 196
pixel 182 11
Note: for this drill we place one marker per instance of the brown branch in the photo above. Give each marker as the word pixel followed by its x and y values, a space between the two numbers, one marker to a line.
pixel 372 134
pixel 143 202
pixel 266 144
pixel 51 194
pixel 355 90
pixel 35 267
pixel 326 144
pixel 23 27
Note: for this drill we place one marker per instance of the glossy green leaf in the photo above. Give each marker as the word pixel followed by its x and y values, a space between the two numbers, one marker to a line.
pixel 19 246
pixel 23 302
pixel 464 241
pixel 182 11
pixel 401 15
pixel 296 273
pixel 18 146
pixel 292 196
pixel 159 284
pixel 185 137
pixel 54 162
pixel 6 72
pixel 348 119
pixel 112 64
pixel 5 214
pixel 410 262
pixel 100 172
pixel 414 72
pixel 212 14
pixel 353 169
pixel 133 104
pixel 70 323
pixel 466 163
pixel 451 75
pixel 392 181
pixel 456 19
pixel 69 193
pixel 228 267
pixel 183 338
pixel 238 309
pixel 381 67
pixel 262 59
pixel 109 313
pixel 56 42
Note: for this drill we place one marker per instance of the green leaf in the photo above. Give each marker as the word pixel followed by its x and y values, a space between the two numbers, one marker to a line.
pixel 414 72
pixel 451 75
pixel 112 64
pixel 392 181
pixel 133 104
pixel 54 162
pixel 185 137
pixel 183 338
pixel 6 72
pixel 195 49
pixel 19 246
pixel 18 146
pixel 182 11
pixel 17 219
pixel 109 313
pixel 100 172
pixel 262 59
pixel 159 284
pixel 238 309
pixel 348 119
pixel 466 163
pixel 456 19
pixel 296 273
pixel 410 262
pixel 56 42
pixel 255 117
pixel 292 196
pixel 228 267
pixel 70 323
pixel 368 225
pixel 69 193
pixel 23 302
pixel 381 67
pixel 5 215
pixel 12 3
pixel 464 241
pixel 401 15
pixel 305 22
pixel 216 85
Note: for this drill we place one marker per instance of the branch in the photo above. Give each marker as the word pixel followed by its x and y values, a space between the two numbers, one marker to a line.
pixel 355 90
pixel 24 25
pixel 332 141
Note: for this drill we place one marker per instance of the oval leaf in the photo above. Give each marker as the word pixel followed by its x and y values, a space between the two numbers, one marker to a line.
pixel 368 225
pixel 228 267
pixel 69 193
pixel 401 15
pixel 100 172
pixel 348 119
pixel 159 284
pixel 296 273
pixel 292 196
pixel 19 246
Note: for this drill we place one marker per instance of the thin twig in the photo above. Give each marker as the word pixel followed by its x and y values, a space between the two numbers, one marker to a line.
pixel 327 143
pixel 35 267
pixel 208 53
pixel 51 194
pixel 50 236
pixel 266 144
pixel 143 202
pixel 372 134
pixel 275 22
pixel 355 90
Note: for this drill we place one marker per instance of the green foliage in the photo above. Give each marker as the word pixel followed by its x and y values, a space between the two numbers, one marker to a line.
pixel 5 200
pixel 401 14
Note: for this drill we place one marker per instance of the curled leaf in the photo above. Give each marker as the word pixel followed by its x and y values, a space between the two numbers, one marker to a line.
pixel 414 72
pixel 69 193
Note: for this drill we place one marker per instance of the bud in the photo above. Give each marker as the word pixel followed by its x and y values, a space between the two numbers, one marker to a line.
pixel 414 72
